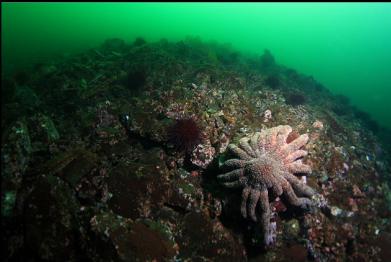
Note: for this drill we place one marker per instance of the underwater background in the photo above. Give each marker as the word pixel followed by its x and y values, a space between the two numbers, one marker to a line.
pixel 345 46
pixel 133 131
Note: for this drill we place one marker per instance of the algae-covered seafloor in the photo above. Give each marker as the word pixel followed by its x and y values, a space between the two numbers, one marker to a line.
pixel 187 151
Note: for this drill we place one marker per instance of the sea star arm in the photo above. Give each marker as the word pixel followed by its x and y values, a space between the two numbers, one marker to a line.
pixel 235 184
pixel 232 164
pixel 254 141
pixel 297 143
pixel 293 199
pixel 234 174
pixel 297 167
pixel 266 214
pixel 282 135
pixel 295 155
pixel 298 186
pixel 238 152
pixel 277 182
pixel 245 193
pixel 244 144
pixel 268 139
pixel 254 198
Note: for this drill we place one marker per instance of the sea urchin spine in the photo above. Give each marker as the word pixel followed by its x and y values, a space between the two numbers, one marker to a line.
pixel 185 134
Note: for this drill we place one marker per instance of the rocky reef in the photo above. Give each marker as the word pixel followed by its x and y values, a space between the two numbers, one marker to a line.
pixel 101 162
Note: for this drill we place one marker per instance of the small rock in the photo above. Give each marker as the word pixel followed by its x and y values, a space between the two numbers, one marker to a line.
pixel 346 167
pixel 267 116
pixel 223 143
pixel 353 204
pixel 336 211
pixel 202 155
pixel 292 228
pixel 279 206
pixel 318 124
pixel 357 192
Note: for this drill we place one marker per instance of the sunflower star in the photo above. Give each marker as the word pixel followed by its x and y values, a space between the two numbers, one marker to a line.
pixel 267 160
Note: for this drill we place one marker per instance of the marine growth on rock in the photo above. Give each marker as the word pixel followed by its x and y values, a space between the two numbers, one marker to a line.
pixel 265 162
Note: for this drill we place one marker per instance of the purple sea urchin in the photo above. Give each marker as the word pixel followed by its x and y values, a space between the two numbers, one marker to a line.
pixel 295 99
pixel 185 134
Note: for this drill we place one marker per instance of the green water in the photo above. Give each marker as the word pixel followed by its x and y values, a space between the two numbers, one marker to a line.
pixel 344 46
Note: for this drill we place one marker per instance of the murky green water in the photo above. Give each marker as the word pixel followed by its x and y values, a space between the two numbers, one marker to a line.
pixel 344 46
